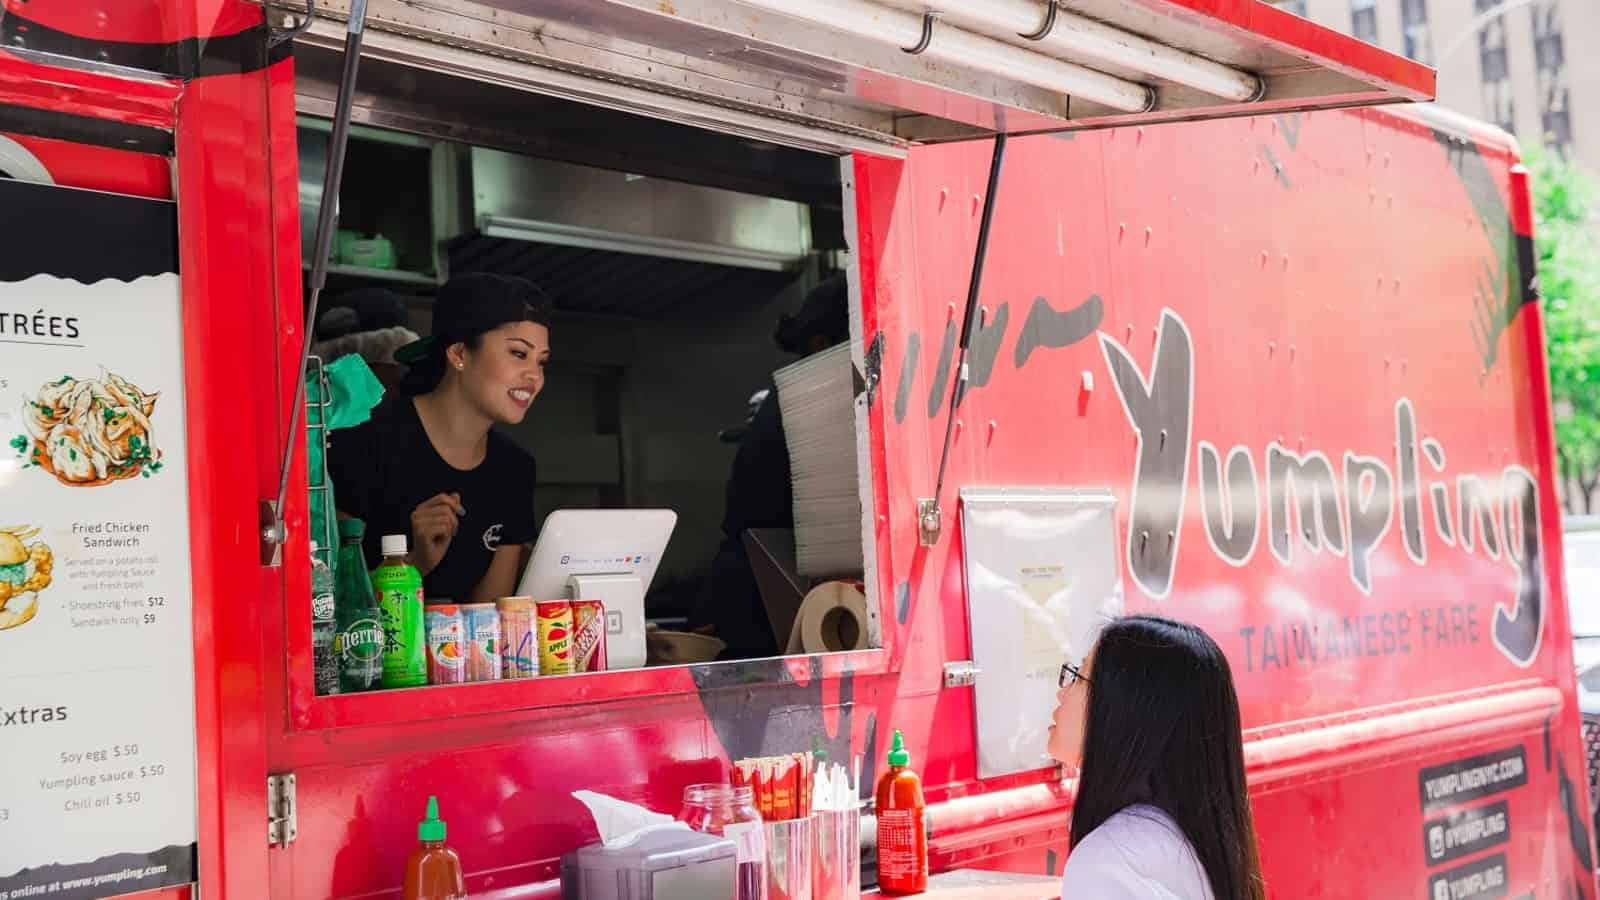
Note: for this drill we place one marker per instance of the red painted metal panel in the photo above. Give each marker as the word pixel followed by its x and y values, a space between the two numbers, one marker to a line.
pixel 507 776
pixel 1322 268
pixel 232 332
pixel 1163 239
pixel 1354 836
pixel 101 168
pixel 145 21
pixel 228 292
pixel 519 819
pixel 1121 217
pixel 137 21
pixel 506 801
pixel 134 102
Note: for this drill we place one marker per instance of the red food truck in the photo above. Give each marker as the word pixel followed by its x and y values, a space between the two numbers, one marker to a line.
pixel 1147 312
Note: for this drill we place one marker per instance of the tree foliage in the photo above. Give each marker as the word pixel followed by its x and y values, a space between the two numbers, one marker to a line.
pixel 1567 234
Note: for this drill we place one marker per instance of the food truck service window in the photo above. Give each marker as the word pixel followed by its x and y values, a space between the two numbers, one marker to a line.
pixel 678 481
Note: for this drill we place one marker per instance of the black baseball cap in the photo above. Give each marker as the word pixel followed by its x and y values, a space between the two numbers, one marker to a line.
pixel 824 313
pixel 475 303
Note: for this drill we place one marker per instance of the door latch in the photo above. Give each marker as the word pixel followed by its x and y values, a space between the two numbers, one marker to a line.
pixel 282 813
pixel 930 521
pixel 961 674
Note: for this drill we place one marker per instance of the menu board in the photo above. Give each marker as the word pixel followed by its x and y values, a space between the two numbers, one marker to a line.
pixel 97 733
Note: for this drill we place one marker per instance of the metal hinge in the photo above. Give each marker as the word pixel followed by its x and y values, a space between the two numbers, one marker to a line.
pixel 271 532
pixel 282 817
pixel 290 29
pixel 961 674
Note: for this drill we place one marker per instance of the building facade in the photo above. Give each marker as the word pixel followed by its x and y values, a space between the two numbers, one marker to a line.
pixel 1523 69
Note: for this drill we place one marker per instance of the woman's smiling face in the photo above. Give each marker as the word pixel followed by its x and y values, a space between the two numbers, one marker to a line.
pixel 505 371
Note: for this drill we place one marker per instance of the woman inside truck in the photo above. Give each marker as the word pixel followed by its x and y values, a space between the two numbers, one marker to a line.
pixel 1151 721
pixel 429 464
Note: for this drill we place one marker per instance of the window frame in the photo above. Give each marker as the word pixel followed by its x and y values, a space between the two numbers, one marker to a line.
pixel 1555 94
pixel 1415 30
pixel 1364 20
pixel 1497 93
pixel 308 712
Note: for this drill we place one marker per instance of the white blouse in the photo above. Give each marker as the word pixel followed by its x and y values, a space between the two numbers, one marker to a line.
pixel 1137 854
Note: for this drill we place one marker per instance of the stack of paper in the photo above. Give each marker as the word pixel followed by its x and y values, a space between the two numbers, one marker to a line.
pixel 816 396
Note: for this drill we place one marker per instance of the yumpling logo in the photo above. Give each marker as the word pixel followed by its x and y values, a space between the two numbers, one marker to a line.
pixel 1340 502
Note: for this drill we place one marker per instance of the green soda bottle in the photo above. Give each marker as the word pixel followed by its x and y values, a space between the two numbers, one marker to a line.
pixel 359 640
pixel 399 586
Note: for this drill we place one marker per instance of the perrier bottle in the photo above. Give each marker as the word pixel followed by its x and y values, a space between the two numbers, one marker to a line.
pixel 359 642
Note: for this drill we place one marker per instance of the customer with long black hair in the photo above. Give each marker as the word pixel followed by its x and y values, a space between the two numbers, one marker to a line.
pixel 1151 721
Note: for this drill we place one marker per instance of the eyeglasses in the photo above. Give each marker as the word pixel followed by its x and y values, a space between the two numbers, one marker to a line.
pixel 1070 675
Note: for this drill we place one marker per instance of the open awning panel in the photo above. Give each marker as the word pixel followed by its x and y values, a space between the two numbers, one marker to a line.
pixel 881 74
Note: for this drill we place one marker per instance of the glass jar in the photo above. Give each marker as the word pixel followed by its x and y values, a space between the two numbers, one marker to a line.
pixel 730 812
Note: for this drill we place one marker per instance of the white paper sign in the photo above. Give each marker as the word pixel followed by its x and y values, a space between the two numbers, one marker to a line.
pixel 97 733
pixel 1042 580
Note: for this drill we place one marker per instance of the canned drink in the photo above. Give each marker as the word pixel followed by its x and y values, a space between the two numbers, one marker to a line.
pixel 482 625
pixel 588 636
pixel 519 640
pixel 447 638
pixel 555 637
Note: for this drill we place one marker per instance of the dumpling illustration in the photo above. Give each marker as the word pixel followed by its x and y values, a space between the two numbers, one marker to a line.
pixel 91 431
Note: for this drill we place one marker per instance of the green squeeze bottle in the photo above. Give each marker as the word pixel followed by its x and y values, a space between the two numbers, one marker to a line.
pixel 399 586
pixel 359 640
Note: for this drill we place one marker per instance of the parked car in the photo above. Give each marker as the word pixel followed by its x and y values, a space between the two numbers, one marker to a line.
pixel 1581 543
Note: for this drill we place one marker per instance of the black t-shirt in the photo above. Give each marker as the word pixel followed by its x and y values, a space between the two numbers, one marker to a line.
pixel 385 468
pixel 760 494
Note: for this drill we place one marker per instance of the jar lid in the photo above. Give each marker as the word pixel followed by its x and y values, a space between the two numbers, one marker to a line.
pixel 718 794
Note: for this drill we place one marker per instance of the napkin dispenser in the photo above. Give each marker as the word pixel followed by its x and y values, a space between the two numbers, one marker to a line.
pixel 658 864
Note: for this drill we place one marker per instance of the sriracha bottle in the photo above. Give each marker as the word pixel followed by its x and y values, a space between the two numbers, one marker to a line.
pixel 434 871
pixel 902 841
